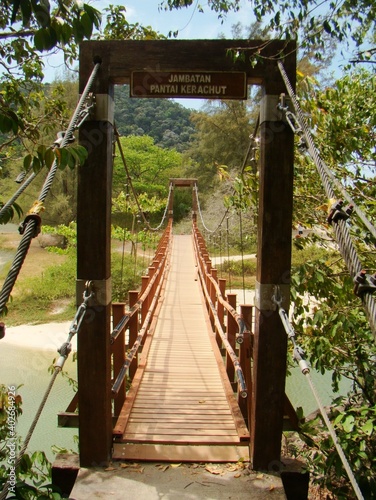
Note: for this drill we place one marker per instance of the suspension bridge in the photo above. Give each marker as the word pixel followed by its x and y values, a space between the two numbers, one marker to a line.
pixel 179 371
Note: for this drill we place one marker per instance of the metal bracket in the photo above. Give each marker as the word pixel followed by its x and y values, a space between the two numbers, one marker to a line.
pixel 270 110
pixel 103 108
pixel 264 294
pixel 101 288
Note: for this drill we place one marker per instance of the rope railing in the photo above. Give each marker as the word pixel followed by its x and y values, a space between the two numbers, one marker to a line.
pixel 129 180
pixel 31 224
pixel 339 224
pixel 213 293
pixel 195 189
pixel 299 357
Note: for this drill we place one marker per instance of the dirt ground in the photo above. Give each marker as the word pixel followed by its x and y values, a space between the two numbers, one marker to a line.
pixel 37 258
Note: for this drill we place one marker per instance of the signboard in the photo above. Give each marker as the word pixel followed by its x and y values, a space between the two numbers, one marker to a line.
pixel 189 84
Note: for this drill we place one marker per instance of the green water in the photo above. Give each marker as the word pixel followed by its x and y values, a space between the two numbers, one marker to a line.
pixel 29 368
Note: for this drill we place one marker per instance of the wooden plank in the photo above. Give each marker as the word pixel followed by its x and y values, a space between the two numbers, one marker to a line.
pixel 179 453
pixel 168 438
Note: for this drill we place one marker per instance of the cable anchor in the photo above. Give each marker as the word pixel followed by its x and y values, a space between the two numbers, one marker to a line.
pixel 87 109
pixel 364 282
pixel 338 212
pixel 293 121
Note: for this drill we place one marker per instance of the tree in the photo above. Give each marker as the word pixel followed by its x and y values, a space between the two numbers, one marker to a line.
pixel 222 139
pixel 308 22
pixel 166 121
pixel 29 30
pixel 150 167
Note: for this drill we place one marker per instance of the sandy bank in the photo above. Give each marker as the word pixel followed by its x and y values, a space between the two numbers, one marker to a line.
pixel 45 337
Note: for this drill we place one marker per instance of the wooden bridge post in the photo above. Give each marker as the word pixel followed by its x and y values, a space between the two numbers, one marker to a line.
pixel 93 265
pixel 273 268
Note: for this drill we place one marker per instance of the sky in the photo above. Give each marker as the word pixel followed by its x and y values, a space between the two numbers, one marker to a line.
pixel 190 23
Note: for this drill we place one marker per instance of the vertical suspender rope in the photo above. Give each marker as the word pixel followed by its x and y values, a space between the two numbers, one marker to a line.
pixel 31 227
pixel 64 352
pixel 340 227
pixel 305 369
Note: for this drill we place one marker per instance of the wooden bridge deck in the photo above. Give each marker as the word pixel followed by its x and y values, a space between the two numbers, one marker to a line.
pixel 181 406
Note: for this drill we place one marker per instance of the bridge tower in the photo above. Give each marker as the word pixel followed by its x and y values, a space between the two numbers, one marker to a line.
pixel 214 64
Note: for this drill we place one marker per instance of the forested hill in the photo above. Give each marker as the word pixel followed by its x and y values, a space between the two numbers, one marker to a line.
pixel 163 119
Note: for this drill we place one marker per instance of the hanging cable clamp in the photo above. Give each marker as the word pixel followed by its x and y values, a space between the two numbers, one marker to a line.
pixel 87 109
pixel 33 214
pixel 300 359
pixel 337 212
pixel 64 352
pixel 60 136
pixel 364 282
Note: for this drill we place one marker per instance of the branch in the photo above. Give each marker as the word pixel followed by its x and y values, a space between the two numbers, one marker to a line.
pixel 16 34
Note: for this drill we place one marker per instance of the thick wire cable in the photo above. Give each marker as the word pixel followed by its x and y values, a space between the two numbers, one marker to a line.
pixel 32 224
pixel 64 352
pixel 318 160
pixel 305 369
pixel 334 437
pixel 340 228
pixel 195 189
pixel 129 179
pixel 18 193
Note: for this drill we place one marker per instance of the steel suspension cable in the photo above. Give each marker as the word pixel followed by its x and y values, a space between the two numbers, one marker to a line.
pixel 195 189
pixel 64 352
pixel 129 179
pixel 32 221
pixel 299 357
pixel 18 193
pixel 340 227
pixel 5 490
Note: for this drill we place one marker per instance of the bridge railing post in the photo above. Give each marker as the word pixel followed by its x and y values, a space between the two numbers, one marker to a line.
pixel 133 330
pixel 245 357
pixel 232 328
pixel 118 355
pixel 221 308
pixel 213 294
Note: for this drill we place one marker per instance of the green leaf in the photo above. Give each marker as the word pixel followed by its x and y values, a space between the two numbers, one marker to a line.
pixel 367 428
pixel 16 6
pixel 26 12
pixel 87 24
pixel 348 424
pixel 49 157
pixel 42 13
pixel 27 161
pixel 6 124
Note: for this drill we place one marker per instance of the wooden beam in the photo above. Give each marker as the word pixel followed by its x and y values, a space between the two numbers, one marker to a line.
pixel 121 57
pixel 273 268
pixel 93 264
